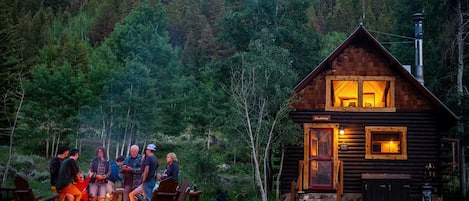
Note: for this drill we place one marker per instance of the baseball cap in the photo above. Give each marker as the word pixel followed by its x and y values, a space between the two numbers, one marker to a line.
pixel 151 147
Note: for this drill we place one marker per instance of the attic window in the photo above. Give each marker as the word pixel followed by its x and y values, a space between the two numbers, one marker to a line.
pixel 360 93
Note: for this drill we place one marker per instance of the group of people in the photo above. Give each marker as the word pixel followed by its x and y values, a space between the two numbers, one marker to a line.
pixel 136 172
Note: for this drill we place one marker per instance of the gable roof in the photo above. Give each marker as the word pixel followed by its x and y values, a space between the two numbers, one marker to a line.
pixel 361 35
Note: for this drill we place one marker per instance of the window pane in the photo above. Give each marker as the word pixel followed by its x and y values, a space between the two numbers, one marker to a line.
pixel 386 142
pixel 376 93
pixel 344 93
pixel 321 173
pixel 321 142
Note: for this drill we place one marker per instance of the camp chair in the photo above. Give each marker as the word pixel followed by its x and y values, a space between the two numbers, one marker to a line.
pixel 168 191
pixel 23 192
pixel 183 191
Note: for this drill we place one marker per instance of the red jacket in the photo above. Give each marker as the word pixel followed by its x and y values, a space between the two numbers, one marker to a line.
pixel 83 186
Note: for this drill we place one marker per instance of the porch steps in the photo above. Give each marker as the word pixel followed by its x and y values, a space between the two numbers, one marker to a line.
pixel 317 197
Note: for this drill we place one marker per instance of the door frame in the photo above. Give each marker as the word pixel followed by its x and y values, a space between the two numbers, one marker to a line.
pixel 306 147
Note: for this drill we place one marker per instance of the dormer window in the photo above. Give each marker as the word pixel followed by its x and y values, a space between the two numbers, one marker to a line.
pixel 360 93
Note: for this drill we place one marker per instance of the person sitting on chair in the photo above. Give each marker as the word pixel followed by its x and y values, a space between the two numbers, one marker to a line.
pixel 172 169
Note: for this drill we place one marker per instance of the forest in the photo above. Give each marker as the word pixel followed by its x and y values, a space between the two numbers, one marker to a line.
pixel 183 74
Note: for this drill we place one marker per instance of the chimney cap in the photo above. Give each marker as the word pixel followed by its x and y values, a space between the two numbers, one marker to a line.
pixel 419 16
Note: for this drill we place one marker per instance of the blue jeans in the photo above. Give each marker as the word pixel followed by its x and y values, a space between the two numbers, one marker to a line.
pixel 148 188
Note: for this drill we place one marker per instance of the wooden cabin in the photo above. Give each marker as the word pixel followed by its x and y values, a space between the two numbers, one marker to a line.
pixel 371 130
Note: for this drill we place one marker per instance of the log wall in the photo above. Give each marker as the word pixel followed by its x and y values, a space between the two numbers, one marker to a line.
pixel 423 147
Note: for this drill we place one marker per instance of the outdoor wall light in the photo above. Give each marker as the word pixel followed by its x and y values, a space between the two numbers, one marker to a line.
pixel 342 146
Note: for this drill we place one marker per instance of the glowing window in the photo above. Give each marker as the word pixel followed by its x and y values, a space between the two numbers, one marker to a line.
pixel 345 93
pixel 360 93
pixel 376 93
pixel 386 143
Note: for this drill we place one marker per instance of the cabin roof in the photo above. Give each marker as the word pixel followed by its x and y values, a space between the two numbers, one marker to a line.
pixel 361 35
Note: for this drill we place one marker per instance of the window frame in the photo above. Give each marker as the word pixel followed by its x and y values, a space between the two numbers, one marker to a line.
pixel 360 108
pixel 386 156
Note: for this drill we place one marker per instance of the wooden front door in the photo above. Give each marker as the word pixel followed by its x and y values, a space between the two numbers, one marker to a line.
pixel 321 158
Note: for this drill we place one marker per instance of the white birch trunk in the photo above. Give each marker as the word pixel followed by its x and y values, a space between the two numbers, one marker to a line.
pixel 21 94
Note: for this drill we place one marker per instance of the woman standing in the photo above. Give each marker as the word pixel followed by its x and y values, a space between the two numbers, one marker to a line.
pixel 99 167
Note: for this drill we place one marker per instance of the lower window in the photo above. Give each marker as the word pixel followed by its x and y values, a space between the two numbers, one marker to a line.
pixel 388 143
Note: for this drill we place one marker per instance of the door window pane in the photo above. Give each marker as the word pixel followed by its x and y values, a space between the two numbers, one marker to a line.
pixel 321 174
pixel 321 143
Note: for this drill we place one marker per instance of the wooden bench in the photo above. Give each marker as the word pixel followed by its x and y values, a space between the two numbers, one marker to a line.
pixel 168 191
pixel 23 192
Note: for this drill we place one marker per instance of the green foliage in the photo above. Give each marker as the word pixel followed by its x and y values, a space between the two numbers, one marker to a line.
pixel 105 16
pixel 50 111
pixel 159 70
pixel 143 92
pixel 331 41
pixel 261 86
pixel 285 20
pixel 10 67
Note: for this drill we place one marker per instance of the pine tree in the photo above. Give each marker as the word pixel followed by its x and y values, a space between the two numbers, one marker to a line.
pixel 10 67
pixel 148 75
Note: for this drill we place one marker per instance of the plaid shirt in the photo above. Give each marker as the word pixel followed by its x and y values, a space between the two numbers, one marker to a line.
pixel 133 177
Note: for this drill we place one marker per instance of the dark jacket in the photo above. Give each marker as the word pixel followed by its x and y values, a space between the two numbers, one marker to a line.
pixel 67 172
pixel 94 165
pixel 172 171
pixel 54 169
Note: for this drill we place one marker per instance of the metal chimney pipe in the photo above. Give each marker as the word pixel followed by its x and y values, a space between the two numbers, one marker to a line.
pixel 418 22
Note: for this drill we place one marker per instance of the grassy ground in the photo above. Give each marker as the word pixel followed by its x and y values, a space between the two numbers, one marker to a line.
pixel 195 165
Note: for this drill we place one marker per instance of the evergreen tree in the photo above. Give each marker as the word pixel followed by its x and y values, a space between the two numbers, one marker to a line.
pixel 287 20
pixel 54 99
pixel 10 66
pixel 58 89
pixel 148 76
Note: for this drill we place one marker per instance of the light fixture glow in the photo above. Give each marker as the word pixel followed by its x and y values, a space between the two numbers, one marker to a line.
pixel 341 131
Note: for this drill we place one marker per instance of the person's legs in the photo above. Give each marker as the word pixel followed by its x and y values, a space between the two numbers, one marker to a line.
pixel 127 190
pixel 148 189
pixel 72 190
pixel 92 191
pixel 109 190
pixel 102 187
pixel 69 197
pixel 136 191
pixel 62 196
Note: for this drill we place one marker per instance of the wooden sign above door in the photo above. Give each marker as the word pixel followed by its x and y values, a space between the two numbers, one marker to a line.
pixel 321 118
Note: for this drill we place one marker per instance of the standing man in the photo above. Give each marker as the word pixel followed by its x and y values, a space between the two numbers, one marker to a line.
pixel 67 172
pixel 54 166
pixel 148 176
pixel 131 171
